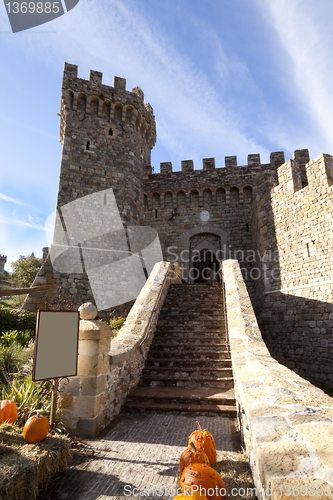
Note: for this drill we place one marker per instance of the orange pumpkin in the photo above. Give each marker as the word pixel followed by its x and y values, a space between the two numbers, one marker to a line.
pixel 35 429
pixel 196 495
pixel 9 409
pixel 192 455
pixel 205 479
pixel 204 441
pixel 2 416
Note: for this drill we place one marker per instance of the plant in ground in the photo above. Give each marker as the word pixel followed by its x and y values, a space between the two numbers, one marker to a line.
pixel 25 269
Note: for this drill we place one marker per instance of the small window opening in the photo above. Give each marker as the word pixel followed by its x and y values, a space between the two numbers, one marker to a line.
pixel 110 131
pixel 155 214
pixel 247 227
pixel 88 146
pixel 308 249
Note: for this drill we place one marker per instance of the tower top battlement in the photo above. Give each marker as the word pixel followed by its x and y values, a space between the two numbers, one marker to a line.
pixel 93 97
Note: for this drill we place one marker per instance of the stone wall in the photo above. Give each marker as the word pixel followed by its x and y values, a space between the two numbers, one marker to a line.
pixel 206 199
pixel 286 423
pixel 108 370
pixel 294 227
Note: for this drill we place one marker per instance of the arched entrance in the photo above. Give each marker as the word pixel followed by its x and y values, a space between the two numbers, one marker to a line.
pixel 205 246
pixel 205 267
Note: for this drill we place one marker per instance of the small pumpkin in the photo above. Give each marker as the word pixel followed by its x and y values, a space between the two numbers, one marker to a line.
pixel 35 429
pixel 9 410
pixel 205 479
pixel 204 441
pixel 192 455
pixel 196 495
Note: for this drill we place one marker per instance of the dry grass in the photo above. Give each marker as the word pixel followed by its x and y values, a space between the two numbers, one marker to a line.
pixel 236 473
pixel 24 467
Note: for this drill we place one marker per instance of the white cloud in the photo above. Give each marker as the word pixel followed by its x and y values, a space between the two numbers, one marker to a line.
pixel 21 223
pixel 118 35
pixel 12 200
pixel 304 28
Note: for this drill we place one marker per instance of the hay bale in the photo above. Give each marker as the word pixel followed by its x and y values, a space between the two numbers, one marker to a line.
pixel 25 468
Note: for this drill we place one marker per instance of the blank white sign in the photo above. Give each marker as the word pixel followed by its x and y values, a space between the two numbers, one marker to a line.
pixel 56 345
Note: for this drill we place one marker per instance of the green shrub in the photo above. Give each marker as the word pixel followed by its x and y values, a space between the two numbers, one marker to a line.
pixel 12 319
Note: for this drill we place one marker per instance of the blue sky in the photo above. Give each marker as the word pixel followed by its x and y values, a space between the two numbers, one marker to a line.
pixel 225 77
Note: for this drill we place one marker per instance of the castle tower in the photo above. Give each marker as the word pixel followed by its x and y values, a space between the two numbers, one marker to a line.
pixel 107 135
pixel 3 260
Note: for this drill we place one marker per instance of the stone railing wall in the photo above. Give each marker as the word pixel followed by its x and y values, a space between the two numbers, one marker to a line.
pixel 286 422
pixel 109 369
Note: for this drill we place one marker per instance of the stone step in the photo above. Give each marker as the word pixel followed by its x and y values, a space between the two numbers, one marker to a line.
pixel 185 333
pixel 193 381
pixel 184 354
pixel 221 410
pixel 187 363
pixel 182 372
pixel 186 344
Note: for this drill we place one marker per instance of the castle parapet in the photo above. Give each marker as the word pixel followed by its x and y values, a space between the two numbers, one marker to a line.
pixel 277 159
pixel 230 161
pixel 296 174
pixel 320 170
pixel 253 160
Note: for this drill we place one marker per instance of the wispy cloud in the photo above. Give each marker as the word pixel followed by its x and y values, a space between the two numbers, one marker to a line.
pixel 22 223
pixel 197 118
pixel 12 200
pixel 305 32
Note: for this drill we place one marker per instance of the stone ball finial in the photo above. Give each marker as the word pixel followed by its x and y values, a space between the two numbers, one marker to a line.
pixel 88 311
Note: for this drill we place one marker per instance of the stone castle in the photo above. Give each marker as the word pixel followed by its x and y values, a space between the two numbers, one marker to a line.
pixel 274 218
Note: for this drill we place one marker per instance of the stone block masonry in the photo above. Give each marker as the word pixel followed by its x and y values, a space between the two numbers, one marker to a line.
pixel 292 219
pixel 108 370
pixel 3 260
pixel 286 422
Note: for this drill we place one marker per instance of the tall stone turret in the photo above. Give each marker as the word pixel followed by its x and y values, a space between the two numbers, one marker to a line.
pixel 107 135
pixel 3 260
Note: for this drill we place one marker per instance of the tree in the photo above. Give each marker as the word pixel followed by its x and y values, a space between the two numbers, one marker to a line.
pixel 25 269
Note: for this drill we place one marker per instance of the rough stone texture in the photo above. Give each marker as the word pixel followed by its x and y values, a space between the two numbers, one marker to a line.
pixel 88 311
pixel 286 423
pixel 292 223
pixel 109 369
pixel 3 260
pixel 274 218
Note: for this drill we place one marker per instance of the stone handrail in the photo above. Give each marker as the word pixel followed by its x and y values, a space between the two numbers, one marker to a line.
pixel 108 370
pixel 286 422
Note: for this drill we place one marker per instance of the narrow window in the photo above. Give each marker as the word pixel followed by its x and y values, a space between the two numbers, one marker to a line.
pixel 155 214
pixel 308 249
pixel 110 131
pixel 88 146
pixel 247 227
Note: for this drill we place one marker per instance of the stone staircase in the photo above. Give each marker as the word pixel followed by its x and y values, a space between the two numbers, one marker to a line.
pixel 188 368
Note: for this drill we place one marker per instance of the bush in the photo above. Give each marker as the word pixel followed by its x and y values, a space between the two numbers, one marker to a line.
pixel 15 358
pixel 11 319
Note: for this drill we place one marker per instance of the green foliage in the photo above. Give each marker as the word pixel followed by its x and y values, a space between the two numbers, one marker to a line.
pixel 23 338
pixel 15 358
pixel 25 269
pixel 116 323
pixel 29 397
pixel 11 319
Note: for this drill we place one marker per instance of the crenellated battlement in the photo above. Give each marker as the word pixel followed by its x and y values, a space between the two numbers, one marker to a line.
pixel 91 99
pixel 208 164
pixel 300 173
